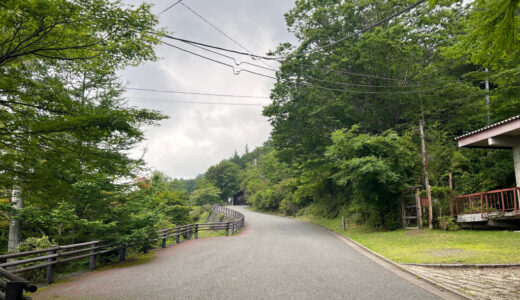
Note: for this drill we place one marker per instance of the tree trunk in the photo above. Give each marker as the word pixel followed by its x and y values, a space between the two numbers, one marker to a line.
pixel 426 177
pixel 15 228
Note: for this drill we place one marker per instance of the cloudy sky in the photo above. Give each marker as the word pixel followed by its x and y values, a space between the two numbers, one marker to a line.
pixel 198 135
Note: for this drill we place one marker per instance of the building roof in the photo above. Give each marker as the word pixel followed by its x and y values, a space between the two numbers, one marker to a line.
pixel 488 127
pixel 503 134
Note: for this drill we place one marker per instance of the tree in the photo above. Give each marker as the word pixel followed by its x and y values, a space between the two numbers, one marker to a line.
pixel 205 193
pixel 377 167
pixel 64 128
pixel 226 176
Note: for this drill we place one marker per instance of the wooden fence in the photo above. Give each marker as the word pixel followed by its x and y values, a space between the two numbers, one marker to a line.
pixel 48 258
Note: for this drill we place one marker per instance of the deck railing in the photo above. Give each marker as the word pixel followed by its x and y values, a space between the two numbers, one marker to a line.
pixel 504 200
pixel 48 258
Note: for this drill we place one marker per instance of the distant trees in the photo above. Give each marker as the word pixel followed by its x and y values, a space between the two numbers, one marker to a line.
pixel 205 193
pixel 226 176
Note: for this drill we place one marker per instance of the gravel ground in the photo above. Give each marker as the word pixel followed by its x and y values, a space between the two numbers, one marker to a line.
pixel 272 258
pixel 480 283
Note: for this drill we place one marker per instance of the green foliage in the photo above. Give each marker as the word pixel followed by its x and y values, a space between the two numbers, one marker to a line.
pixel 61 95
pixel 205 193
pixel 35 243
pixel 447 223
pixel 226 176
pixel 377 167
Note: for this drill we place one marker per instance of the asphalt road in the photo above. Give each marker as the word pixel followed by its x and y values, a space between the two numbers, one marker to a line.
pixel 272 258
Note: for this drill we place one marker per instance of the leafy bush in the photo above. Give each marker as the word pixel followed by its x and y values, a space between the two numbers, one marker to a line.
pixel 35 243
pixel 447 223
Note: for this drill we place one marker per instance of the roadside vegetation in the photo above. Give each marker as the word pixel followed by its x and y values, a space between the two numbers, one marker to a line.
pixel 433 246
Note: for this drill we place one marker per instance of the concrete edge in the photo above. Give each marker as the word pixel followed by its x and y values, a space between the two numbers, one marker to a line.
pixel 425 283
pixel 476 266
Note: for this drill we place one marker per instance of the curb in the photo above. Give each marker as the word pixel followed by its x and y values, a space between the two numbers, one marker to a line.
pixel 476 266
pixel 451 291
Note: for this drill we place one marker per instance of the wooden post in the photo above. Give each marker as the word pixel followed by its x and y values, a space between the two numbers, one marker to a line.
pixel 233 228
pixel 51 269
pixel 227 229
pixel 196 231
pixel 403 212
pixel 163 243
pixel 14 290
pixel 451 194
pixel 178 236
pixel 419 208
pixel 343 223
pixel 122 253
pixel 92 261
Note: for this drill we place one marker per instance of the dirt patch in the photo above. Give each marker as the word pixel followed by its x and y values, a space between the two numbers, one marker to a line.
pixel 414 232
pixel 448 252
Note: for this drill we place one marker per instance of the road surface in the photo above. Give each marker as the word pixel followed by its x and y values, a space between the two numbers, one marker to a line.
pixel 272 258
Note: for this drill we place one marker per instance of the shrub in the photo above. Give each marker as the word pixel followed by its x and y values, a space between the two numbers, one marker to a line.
pixel 447 223
pixel 35 243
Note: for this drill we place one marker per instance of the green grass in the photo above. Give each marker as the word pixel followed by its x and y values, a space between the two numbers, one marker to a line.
pixel 436 246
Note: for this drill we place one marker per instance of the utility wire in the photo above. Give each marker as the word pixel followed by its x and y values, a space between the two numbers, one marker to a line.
pixel 179 1
pixel 235 60
pixel 193 102
pixel 290 81
pixel 235 71
pixel 197 93
pixel 222 32
pixel 221 48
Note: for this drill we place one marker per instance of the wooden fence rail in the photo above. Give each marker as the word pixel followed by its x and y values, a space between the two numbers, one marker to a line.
pixel 48 258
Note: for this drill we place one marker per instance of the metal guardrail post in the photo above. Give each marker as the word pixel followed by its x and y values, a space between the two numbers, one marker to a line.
pixel 92 260
pixel 51 269
pixel 122 253
pixel 14 290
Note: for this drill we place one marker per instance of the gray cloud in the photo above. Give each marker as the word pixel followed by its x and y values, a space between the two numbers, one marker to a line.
pixel 198 135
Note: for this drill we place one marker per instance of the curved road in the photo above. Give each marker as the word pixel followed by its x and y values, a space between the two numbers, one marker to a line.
pixel 272 258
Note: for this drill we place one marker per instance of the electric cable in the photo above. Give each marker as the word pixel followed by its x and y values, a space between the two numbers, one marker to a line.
pixel 235 71
pixel 179 1
pixel 197 93
pixel 235 60
pixel 222 32
pixel 194 102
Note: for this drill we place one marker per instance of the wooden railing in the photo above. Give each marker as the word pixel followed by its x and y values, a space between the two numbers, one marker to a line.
pixel 48 258
pixel 13 286
pixel 504 200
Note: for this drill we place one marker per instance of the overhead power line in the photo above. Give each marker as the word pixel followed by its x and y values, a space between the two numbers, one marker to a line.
pixel 234 59
pixel 235 70
pixel 179 1
pixel 255 56
pixel 194 102
pixel 221 31
pixel 197 93
pixel 290 81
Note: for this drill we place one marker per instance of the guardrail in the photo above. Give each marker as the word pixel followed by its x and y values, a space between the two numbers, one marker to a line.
pixel 504 200
pixel 52 256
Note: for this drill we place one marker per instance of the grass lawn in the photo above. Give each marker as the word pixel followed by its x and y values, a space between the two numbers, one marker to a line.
pixel 436 246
